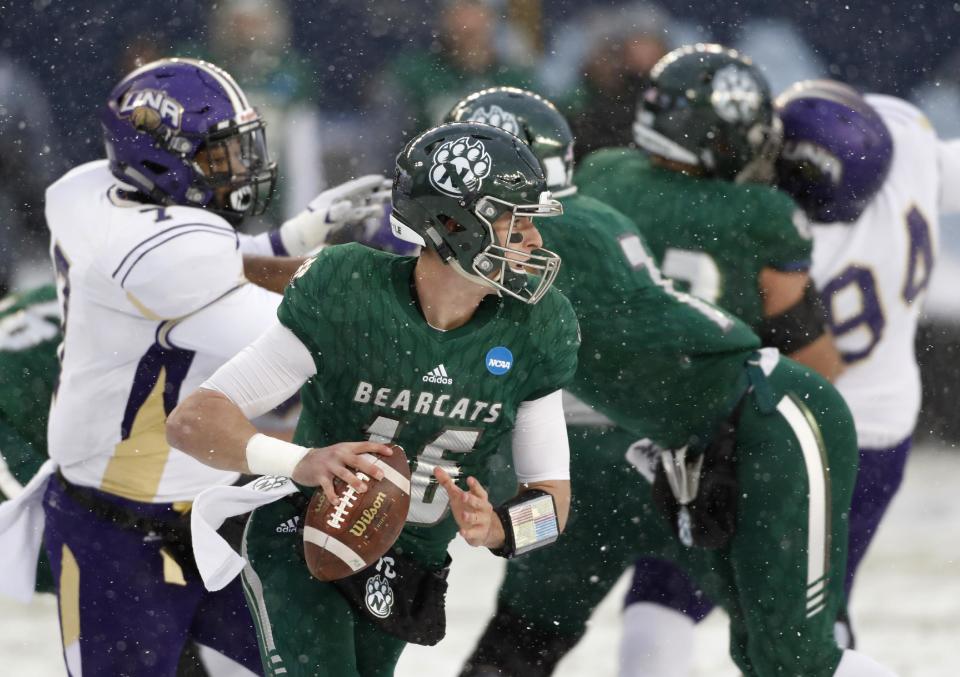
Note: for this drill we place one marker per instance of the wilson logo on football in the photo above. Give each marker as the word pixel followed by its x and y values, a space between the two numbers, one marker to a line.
pixel 460 166
pixel 438 375
pixel 367 516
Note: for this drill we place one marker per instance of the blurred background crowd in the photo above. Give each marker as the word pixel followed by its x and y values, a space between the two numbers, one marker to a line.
pixel 343 84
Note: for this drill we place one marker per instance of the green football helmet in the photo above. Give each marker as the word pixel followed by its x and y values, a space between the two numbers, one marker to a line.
pixel 533 119
pixel 709 107
pixel 452 183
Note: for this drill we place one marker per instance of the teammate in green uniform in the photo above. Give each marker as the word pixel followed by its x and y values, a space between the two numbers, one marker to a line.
pixel 445 354
pixel 29 335
pixel 749 457
pixel 708 134
pixel 722 236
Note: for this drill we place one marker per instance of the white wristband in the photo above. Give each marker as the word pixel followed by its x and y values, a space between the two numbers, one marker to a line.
pixel 269 456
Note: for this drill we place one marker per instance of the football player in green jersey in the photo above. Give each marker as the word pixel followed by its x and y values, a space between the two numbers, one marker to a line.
pixel 706 131
pixel 29 335
pixel 708 136
pixel 748 457
pixel 446 354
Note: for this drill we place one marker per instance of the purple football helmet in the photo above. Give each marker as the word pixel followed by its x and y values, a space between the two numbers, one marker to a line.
pixel 836 150
pixel 162 115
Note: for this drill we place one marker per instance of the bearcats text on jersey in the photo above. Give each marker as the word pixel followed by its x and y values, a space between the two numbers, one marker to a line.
pixel 427 403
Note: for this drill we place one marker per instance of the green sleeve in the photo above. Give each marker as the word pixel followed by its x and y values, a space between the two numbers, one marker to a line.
pixel 559 342
pixel 302 308
pixel 782 231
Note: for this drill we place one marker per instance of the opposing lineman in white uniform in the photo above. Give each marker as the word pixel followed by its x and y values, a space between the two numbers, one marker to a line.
pixel 151 281
pixel 873 274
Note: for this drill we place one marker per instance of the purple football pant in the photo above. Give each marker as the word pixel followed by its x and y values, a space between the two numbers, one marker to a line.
pixel 123 611
pixel 881 471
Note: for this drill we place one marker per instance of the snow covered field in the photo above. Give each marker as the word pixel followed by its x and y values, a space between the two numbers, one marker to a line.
pixel 906 605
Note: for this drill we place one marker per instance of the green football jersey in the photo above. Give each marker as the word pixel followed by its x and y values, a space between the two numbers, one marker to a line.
pixel 29 336
pixel 659 362
pixel 711 237
pixel 447 397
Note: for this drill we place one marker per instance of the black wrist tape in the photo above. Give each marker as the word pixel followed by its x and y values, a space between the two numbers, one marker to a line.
pixel 797 327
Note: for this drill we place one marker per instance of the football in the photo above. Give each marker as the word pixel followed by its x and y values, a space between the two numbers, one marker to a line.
pixel 339 540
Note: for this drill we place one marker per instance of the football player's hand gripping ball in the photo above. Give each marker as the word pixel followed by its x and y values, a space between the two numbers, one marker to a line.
pixel 320 466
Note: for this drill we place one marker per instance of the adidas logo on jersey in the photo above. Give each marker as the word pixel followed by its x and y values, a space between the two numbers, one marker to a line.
pixel 290 526
pixel 438 375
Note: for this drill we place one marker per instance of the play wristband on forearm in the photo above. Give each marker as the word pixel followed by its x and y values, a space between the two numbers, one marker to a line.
pixel 796 327
pixel 529 522
pixel 269 456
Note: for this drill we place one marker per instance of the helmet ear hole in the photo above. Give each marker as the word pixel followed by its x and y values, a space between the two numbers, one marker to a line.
pixel 451 224
pixel 154 167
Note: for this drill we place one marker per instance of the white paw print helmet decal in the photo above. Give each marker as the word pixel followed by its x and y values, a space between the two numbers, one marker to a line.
pixel 497 117
pixel 460 166
pixel 736 94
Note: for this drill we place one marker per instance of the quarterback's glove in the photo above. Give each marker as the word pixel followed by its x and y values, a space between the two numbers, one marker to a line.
pixel 350 202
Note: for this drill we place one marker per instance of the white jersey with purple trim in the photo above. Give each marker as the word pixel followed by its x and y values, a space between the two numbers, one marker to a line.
pixel 133 280
pixel 873 274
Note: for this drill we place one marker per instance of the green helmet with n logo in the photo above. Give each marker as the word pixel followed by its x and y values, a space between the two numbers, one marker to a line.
pixel 532 118
pixel 453 182
pixel 709 107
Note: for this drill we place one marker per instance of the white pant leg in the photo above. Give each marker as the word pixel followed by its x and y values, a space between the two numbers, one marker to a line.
pixel 657 642
pixel 855 664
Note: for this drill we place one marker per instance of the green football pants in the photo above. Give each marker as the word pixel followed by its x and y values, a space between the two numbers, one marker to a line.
pixel 306 628
pixel 780 578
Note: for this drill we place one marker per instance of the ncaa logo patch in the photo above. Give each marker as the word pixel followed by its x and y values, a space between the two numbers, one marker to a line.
pixel 499 360
pixel 460 166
